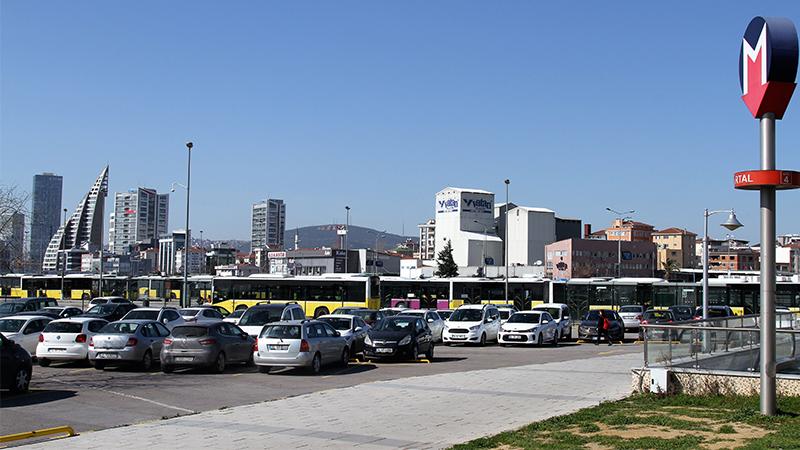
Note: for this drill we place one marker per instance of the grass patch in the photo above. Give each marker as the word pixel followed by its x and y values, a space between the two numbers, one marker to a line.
pixel 649 421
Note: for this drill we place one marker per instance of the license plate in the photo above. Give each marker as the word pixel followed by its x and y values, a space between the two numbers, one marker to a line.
pixel 457 336
pixel 107 356
pixel 383 350
pixel 513 337
pixel 57 350
pixel 277 347
pixel 184 358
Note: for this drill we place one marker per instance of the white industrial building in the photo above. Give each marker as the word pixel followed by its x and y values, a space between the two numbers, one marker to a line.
pixel 465 217
pixel 529 230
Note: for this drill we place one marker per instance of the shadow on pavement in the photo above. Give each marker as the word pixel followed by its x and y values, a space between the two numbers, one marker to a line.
pixel 33 397
pixel 337 371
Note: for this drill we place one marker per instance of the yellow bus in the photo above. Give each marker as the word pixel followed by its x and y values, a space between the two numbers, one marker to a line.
pixel 317 295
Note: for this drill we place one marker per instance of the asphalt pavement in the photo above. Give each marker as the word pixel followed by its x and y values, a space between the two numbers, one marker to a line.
pixel 88 399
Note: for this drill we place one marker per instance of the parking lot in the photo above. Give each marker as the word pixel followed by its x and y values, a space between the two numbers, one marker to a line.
pixel 87 399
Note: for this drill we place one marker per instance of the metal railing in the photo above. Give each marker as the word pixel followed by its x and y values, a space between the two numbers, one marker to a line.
pixel 718 344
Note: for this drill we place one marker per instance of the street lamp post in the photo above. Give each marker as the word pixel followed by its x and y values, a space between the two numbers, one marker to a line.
pixel 346 247
pixel 621 216
pixel 185 296
pixel 732 223
pixel 505 244
pixel 375 251
pixel 63 256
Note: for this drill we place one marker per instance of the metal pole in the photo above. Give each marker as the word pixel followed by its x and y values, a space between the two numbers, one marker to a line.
pixel 346 246
pixel 185 296
pixel 767 356
pixel 505 257
pixel 485 232
pixel 705 264
pixel 619 252
pixel 101 271
pixel 63 257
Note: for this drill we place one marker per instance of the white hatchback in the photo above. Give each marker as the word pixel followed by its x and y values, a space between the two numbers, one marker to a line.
pixel 67 339
pixel 167 316
pixel 472 324
pixel 529 327
pixel 24 330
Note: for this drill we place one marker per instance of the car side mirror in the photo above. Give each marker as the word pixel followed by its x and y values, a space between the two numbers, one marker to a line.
pixel 337 334
pixel 545 322
pixel 358 329
pixel 430 320
pixel 164 320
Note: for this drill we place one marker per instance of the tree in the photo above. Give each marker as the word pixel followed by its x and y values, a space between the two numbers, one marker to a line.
pixel 447 267
pixel 670 266
pixel 13 211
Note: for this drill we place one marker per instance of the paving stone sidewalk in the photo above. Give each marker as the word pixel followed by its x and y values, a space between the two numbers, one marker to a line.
pixel 433 411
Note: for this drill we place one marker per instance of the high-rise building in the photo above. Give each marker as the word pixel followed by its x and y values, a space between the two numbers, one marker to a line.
pixel 83 231
pixel 168 246
pixel 45 213
pixel 268 225
pixel 140 216
pixel 427 240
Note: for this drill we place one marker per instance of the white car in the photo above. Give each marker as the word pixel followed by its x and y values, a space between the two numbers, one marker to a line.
pixel 393 311
pixel 505 312
pixel 431 317
pixel 67 339
pixel 167 316
pixel 631 317
pixel 200 315
pixel 560 313
pixel 234 316
pixel 24 330
pixel 529 327
pixel 475 324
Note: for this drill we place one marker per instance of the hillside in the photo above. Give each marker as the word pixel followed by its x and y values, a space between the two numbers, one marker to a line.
pixel 359 237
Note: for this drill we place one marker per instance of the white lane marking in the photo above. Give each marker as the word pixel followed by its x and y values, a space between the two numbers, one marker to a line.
pixel 136 397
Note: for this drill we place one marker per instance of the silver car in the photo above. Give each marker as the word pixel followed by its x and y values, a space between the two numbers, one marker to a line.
pixel 168 316
pixel 127 342
pixel 432 318
pixel 560 313
pixel 209 345
pixel 631 317
pixel 310 344
pixel 351 327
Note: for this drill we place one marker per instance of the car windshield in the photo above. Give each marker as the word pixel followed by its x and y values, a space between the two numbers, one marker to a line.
pixel 63 327
pixel 505 314
pixel 594 315
pixel 344 310
pixel 11 325
pixel 102 309
pixel 366 314
pixel 236 314
pixel 99 301
pixel 684 310
pixel 467 315
pixel 658 315
pixel 11 307
pixel 281 332
pixel 630 309
pixel 414 313
pixel 337 323
pixel 148 315
pixel 555 313
pixel 189 311
pixel 189 331
pixel 120 328
pixel 259 316
pixel 445 314
pixel 397 324
pixel 524 318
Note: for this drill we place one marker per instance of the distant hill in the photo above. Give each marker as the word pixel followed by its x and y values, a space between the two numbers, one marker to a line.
pixel 358 237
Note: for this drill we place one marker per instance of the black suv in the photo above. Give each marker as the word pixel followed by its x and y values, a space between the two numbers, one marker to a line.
pixel 109 311
pixel 25 305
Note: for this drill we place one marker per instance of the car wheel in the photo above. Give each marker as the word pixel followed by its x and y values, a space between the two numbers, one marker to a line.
pixel 555 338
pixel 569 335
pixel 250 361
pixel 429 353
pixel 414 352
pixel 345 357
pixel 99 365
pixel 219 364
pixel 147 361
pixel 166 368
pixel 316 364
pixel 483 340
pixel 539 340
pixel 22 380
pixel 44 362
pixel 264 369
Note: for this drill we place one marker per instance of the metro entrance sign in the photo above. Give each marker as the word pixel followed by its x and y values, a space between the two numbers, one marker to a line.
pixel 767 72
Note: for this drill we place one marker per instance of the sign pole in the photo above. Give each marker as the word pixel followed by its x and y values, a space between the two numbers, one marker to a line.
pixel 767 350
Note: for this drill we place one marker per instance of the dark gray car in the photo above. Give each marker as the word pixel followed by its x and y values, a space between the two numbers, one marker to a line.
pixel 211 345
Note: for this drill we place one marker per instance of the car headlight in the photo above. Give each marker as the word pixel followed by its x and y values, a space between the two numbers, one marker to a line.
pixel 367 340
pixel 531 330
pixel 405 341
pixel 475 328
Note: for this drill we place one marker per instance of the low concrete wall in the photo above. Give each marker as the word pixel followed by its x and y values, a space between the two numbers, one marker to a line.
pixel 704 382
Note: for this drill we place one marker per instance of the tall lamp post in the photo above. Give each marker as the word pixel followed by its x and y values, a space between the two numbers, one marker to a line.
pixel 346 247
pixel 621 215
pixel 375 252
pixel 732 224
pixel 185 296
pixel 63 256
pixel 505 244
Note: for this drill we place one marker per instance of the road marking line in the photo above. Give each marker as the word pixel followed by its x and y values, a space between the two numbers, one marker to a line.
pixel 136 397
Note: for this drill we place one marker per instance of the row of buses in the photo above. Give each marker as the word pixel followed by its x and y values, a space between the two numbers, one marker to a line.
pixel 322 294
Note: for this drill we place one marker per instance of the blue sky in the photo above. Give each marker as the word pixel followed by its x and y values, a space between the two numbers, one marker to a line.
pixel 378 105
